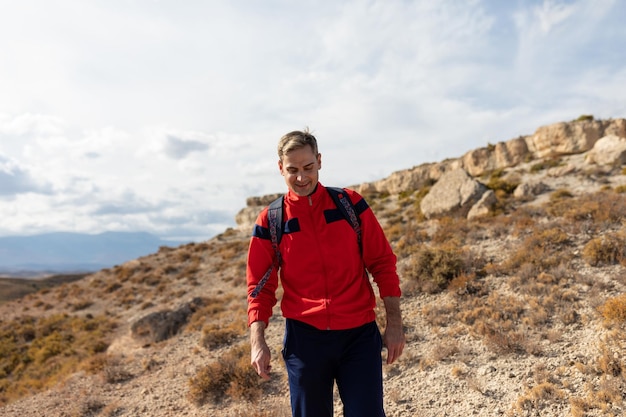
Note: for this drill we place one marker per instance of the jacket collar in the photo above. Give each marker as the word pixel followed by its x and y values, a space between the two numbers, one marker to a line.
pixel 310 199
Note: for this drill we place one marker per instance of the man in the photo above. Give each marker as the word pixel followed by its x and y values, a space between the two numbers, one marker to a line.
pixel 328 301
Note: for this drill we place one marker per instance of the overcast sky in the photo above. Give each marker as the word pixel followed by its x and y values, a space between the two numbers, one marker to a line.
pixel 163 116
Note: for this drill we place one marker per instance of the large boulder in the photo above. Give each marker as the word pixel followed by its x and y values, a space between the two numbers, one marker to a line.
pixel 609 150
pixel 161 325
pixel 455 192
pixel 530 189
pixel 484 206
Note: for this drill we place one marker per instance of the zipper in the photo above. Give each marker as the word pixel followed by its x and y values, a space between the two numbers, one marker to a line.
pixel 326 303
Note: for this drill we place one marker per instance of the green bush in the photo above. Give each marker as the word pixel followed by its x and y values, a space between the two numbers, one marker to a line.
pixel 499 185
pixel 545 164
pixel 584 118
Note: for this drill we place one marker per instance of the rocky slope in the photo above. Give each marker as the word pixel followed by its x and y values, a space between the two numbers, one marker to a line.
pixel 523 329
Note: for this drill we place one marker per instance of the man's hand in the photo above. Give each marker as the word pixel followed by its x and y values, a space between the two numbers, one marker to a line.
pixel 393 338
pixel 259 351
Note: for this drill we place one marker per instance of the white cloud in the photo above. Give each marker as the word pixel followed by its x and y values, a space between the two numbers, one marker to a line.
pixel 550 14
pixel 29 125
pixel 15 179
pixel 177 148
pixel 164 116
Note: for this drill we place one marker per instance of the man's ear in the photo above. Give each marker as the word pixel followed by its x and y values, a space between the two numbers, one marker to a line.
pixel 280 167
pixel 319 160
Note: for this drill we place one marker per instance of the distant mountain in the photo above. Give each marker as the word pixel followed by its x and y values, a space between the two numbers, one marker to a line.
pixel 74 252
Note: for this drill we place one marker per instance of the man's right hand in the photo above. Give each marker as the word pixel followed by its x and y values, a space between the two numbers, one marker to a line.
pixel 259 351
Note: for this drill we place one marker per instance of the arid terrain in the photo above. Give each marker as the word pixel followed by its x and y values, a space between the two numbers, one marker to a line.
pixel 514 301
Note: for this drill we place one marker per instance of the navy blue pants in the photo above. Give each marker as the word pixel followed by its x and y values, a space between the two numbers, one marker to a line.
pixel 315 359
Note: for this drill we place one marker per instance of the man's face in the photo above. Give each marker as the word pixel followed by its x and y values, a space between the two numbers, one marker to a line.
pixel 300 167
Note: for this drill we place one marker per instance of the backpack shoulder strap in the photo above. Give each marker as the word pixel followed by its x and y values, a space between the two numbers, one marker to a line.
pixel 275 222
pixel 344 204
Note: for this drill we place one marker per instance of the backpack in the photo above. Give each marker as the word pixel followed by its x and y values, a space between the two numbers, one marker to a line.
pixel 275 220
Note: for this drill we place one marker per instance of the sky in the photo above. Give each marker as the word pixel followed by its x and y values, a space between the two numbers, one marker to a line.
pixel 164 116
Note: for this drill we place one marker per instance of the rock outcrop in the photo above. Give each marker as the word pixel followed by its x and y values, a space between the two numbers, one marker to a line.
pixel 554 140
pixel 247 216
pixel 501 155
pixel 573 137
pixel 411 179
pixel 455 192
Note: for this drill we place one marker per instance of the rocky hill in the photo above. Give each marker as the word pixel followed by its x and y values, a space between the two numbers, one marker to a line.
pixel 513 268
pixel 548 142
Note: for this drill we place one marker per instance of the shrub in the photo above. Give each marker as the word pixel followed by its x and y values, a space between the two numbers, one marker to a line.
pixel 614 309
pixel 609 362
pixel 431 269
pixel 499 185
pixel 505 341
pixel 608 249
pixel 601 208
pixel 537 398
pixel 451 231
pixel 231 377
pixel 584 118
pixel 215 335
pixel 561 194
pixel 115 370
pixel 543 249
pixel 545 164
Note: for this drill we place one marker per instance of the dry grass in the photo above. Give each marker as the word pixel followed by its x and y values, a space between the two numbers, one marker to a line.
pixel 36 353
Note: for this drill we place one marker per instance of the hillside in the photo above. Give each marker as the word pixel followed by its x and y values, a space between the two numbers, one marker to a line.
pixel 12 288
pixel 513 268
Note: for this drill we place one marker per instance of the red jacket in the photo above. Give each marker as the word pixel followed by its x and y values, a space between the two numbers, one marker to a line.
pixel 322 272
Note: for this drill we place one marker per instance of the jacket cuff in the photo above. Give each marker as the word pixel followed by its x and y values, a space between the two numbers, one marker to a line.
pixel 389 291
pixel 257 316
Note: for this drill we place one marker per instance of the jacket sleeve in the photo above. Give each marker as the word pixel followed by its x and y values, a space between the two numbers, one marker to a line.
pixel 260 259
pixel 378 256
